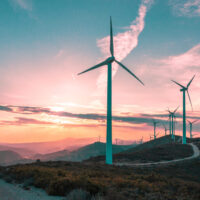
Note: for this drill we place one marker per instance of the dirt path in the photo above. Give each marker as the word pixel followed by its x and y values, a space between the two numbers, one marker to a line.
pixel 15 192
pixel 196 153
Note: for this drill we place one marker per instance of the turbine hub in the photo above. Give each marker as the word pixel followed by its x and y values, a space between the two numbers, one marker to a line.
pixel 111 59
pixel 183 89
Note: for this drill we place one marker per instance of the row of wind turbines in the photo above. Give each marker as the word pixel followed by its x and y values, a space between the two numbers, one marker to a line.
pixel 109 62
pixel 171 128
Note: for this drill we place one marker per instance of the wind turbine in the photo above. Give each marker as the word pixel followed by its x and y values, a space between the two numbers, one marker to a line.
pixel 99 138
pixel 157 135
pixel 154 125
pixel 172 116
pixel 116 140
pixel 184 89
pixel 170 123
pixel 150 137
pixel 141 140
pixel 191 123
pixel 165 128
pixel 109 62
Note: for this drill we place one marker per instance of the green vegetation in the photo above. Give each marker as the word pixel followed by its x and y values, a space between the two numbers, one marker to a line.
pixel 151 154
pixel 91 180
pixel 111 182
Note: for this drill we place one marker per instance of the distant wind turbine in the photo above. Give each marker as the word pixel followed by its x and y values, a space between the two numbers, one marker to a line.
pixel 150 137
pixel 183 89
pixel 172 116
pixel 109 62
pixel 156 135
pixel 154 125
pixel 165 128
pixel 99 138
pixel 170 123
pixel 191 124
pixel 116 140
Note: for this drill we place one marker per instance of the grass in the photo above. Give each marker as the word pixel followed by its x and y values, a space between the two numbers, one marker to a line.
pixel 159 153
pixel 94 181
pixel 111 182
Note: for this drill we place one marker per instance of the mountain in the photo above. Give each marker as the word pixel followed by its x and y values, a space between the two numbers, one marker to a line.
pixel 51 156
pixel 92 150
pixel 162 148
pixel 69 144
pixel 82 153
pixel 154 143
pixel 25 153
pixel 7 157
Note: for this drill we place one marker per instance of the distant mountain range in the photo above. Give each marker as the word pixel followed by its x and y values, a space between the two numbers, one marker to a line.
pixel 11 158
pixel 69 144
pixel 21 153
pixel 25 153
pixel 160 148
pixel 82 153
pixel 14 156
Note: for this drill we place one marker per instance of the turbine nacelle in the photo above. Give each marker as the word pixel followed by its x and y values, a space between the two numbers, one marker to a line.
pixel 110 59
pixel 183 88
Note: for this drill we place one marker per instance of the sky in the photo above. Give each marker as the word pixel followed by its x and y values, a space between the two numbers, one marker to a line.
pixel 45 44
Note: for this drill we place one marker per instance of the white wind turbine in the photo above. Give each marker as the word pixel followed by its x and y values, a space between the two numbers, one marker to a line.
pixel 109 62
pixel 191 124
pixel 184 89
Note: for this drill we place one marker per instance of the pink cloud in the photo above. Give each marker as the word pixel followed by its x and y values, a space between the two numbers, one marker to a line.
pixel 124 43
pixel 24 4
pixel 188 8
pixel 189 59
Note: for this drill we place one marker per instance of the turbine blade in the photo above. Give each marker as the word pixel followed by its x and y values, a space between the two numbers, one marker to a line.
pixel 195 121
pixel 190 100
pixel 190 81
pixel 111 38
pixel 164 125
pixel 176 109
pixel 94 67
pixel 188 121
pixel 178 83
pixel 129 71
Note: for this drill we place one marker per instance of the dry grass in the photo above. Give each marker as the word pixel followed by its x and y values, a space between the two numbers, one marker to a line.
pixel 61 178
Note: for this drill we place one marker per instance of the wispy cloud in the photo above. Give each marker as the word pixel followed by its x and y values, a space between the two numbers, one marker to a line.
pixel 5 108
pixel 188 8
pixel 188 60
pixel 23 4
pixel 124 43
pixel 138 122
pixel 24 121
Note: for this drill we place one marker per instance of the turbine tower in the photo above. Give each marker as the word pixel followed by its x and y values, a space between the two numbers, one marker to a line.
pixel 191 123
pixel 165 128
pixel 184 89
pixel 109 62
pixel 172 116
pixel 170 123
pixel 154 125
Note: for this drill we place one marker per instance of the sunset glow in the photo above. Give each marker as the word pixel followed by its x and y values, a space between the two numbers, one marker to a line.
pixel 43 99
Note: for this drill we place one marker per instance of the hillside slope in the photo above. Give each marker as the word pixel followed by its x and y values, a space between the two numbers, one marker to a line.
pixel 7 157
pixel 92 150
pixel 82 153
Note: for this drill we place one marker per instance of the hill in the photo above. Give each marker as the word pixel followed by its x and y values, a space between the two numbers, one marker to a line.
pixel 180 181
pixel 164 182
pixel 51 156
pixel 69 144
pixel 25 153
pixel 7 157
pixel 82 153
pixel 161 149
